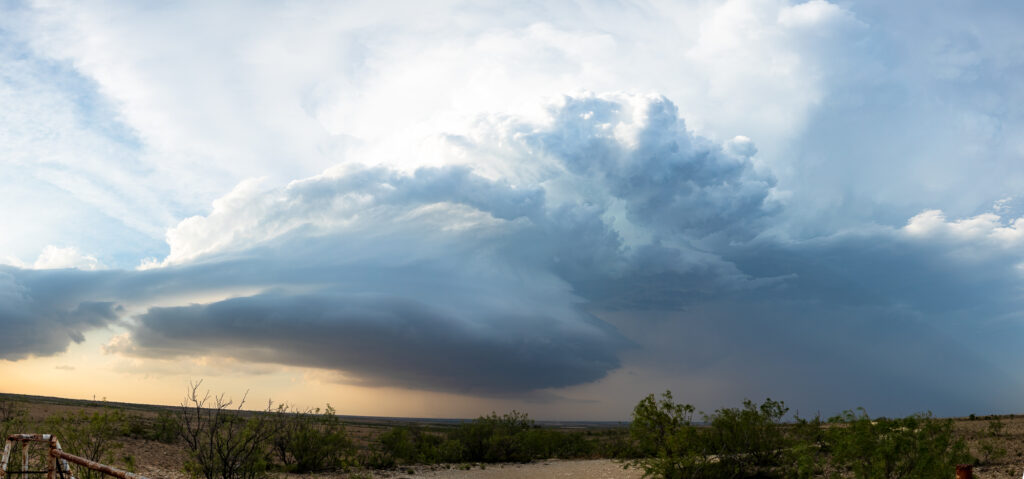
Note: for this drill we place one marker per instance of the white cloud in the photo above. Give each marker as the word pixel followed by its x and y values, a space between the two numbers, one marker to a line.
pixel 285 92
pixel 817 14
pixel 53 257
pixel 763 65
pixel 626 164
pixel 235 218
pixel 982 231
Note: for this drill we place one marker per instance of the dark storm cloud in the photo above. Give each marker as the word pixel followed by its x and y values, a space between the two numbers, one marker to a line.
pixel 38 323
pixel 423 325
pixel 889 270
pixel 391 340
pixel 440 278
pixel 446 279
pixel 885 319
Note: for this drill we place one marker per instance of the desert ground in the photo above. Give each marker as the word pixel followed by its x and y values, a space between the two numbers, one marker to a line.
pixel 998 441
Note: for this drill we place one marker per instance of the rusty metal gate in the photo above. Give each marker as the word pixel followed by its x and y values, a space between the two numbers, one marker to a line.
pixel 57 461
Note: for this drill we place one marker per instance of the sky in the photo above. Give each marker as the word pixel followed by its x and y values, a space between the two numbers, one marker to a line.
pixel 440 209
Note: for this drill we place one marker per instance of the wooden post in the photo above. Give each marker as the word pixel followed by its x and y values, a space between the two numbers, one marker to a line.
pixel 51 462
pixel 105 469
pixel 5 458
pixel 24 458
pixel 61 463
pixel 964 471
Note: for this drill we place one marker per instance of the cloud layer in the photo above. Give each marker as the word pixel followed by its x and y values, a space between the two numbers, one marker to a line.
pixel 460 279
pixel 446 279
pixel 39 321
pixel 431 198
pixel 440 278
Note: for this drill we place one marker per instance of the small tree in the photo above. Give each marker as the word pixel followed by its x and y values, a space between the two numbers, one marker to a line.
pixel 748 440
pixel 223 442
pixel 916 446
pixel 667 440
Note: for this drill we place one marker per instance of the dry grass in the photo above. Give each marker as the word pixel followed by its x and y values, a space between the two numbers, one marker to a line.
pixel 159 460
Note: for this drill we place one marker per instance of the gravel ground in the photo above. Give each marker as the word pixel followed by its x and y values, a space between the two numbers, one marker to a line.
pixel 594 469
pixel 583 469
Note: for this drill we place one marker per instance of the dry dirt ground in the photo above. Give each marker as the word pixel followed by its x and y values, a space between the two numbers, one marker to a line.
pixel 596 469
pixel 1010 439
pixel 162 461
pixel 586 469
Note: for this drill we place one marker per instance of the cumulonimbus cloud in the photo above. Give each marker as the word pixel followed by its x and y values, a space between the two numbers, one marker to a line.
pixel 443 278
pixel 460 278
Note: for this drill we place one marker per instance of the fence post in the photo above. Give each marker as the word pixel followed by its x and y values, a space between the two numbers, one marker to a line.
pixel 964 471
pixel 58 459
pixel 6 457
pixel 51 463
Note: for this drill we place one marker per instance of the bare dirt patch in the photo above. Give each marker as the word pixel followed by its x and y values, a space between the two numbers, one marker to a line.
pixel 596 469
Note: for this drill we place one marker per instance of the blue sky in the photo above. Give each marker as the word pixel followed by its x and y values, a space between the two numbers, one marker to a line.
pixel 557 207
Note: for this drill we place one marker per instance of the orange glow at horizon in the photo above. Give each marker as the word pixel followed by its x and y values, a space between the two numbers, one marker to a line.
pixel 85 371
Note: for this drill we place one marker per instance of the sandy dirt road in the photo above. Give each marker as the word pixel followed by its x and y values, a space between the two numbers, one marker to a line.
pixel 594 469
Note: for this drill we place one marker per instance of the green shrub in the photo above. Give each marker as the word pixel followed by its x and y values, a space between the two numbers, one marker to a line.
pixel 807 454
pixel 166 428
pixel 996 427
pixel 616 445
pixel 495 438
pixel 310 441
pixel 667 440
pixel 753 442
pixel 400 445
pixel 747 441
pixel 918 446
pixel 511 437
pixel 542 443
pixel 377 460
pixel 989 445
pixel 451 450
pixel 163 428
pixel 744 442
pixel 416 445
pixel 13 418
